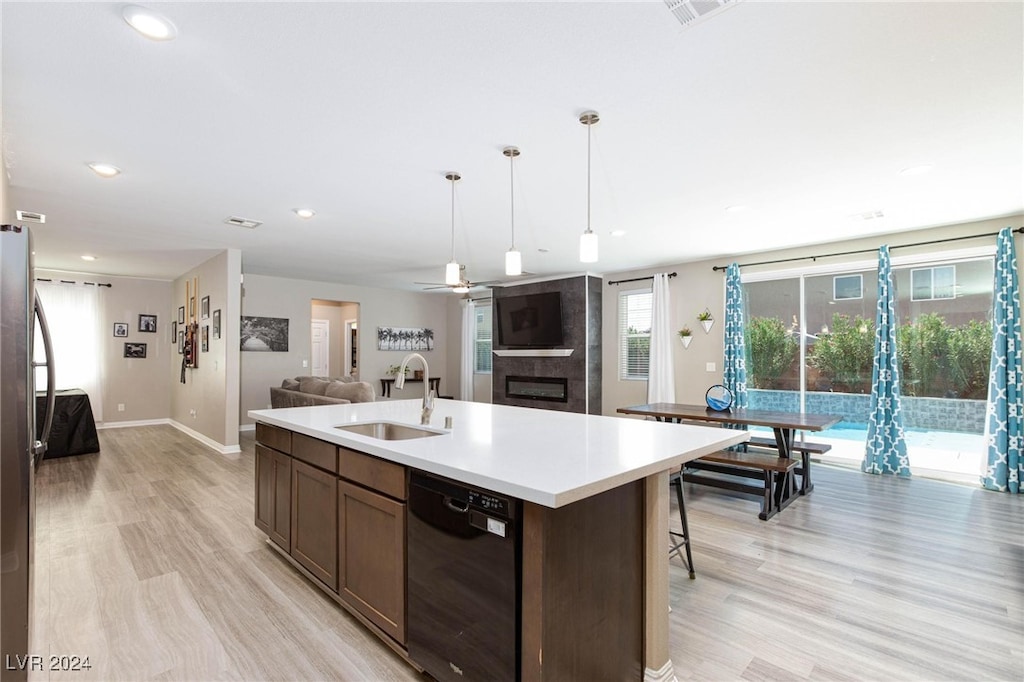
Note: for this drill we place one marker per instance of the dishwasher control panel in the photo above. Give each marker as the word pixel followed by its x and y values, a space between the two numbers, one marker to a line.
pixel 489 503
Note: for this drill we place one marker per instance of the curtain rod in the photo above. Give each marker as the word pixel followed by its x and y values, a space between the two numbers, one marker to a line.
pixel 1019 230
pixel 636 279
pixel 71 281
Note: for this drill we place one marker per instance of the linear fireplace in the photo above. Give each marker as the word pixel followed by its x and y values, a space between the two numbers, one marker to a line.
pixel 538 388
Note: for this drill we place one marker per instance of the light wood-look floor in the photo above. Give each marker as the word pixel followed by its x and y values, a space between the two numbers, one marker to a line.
pixel 148 562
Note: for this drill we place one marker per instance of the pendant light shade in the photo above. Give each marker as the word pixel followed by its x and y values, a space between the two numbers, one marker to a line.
pixel 588 247
pixel 453 271
pixel 588 240
pixel 513 259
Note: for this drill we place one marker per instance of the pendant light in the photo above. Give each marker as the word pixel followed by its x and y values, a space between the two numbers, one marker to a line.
pixel 588 240
pixel 453 271
pixel 513 259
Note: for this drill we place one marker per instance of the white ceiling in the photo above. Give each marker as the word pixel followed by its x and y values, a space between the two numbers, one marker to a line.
pixel 803 112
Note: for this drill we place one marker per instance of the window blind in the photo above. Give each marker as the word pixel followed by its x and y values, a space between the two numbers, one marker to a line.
pixel 634 333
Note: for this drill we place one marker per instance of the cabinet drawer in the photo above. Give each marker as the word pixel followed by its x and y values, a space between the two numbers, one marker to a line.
pixel 316 452
pixel 375 474
pixel 274 437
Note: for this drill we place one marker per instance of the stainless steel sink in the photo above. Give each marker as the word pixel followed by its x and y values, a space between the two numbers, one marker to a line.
pixel 388 430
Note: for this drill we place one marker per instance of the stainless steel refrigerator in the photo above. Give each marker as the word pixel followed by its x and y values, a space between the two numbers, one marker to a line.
pixel 23 436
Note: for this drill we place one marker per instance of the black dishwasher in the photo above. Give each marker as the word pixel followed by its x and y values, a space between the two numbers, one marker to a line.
pixel 463 580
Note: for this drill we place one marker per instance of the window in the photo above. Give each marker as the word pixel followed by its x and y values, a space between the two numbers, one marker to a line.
pixel 933 284
pixel 482 359
pixel 634 334
pixel 847 287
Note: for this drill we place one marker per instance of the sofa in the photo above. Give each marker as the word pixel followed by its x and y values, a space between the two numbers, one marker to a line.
pixel 308 390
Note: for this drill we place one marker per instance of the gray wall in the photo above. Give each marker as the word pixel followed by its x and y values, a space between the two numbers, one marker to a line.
pixel 697 287
pixel 290 298
pixel 207 402
pixel 140 384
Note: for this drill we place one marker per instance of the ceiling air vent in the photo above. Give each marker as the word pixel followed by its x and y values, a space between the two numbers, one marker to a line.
pixel 31 217
pixel 867 215
pixel 689 12
pixel 242 222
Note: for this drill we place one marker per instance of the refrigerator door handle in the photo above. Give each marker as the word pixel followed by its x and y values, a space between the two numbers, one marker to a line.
pixel 39 449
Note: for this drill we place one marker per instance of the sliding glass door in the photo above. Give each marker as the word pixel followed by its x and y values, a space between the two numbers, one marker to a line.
pixel 811 343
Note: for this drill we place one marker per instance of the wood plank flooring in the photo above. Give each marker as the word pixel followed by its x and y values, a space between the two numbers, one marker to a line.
pixel 148 562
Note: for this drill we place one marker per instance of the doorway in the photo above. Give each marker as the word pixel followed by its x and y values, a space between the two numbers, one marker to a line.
pixel 334 342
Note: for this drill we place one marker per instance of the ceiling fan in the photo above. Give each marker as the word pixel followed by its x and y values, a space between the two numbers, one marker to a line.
pixel 463 286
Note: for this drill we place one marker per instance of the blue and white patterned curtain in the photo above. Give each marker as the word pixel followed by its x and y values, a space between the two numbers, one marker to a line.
pixel 1004 430
pixel 886 451
pixel 735 365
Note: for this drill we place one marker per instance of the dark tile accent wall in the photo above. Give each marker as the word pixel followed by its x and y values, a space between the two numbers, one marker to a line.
pixel 581 330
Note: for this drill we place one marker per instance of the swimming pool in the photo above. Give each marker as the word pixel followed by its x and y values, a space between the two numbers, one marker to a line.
pixel 917 438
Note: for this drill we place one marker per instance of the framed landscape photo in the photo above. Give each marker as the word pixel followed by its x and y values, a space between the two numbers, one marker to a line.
pixel 192 308
pixel 147 323
pixel 121 329
pixel 206 338
pixel 181 315
pixel 204 308
pixel 267 334
pixel 135 350
pixel 181 343
pixel 216 323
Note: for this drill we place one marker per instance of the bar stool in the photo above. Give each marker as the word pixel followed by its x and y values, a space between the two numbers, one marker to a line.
pixel 675 480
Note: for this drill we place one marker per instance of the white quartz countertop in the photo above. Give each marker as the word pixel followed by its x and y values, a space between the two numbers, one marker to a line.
pixel 550 458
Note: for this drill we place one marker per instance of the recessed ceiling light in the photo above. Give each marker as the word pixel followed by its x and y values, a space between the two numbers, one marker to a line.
pixel 105 170
pixel 151 24
pixel 542 250
pixel 916 170
pixel 736 209
pixel 305 213
pixel 617 233
pixel 88 257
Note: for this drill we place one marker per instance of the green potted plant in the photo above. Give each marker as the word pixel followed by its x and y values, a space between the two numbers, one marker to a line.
pixel 706 320
pixel 393 371
pixel 686 336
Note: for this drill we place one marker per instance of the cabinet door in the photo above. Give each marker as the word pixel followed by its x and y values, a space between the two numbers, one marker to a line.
pixel 264 498
pixel 281 526
pixel 371 557
pixel 315 522
pixel 274 494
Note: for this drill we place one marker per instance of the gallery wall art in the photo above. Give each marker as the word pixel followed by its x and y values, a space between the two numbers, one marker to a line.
pixel 405 338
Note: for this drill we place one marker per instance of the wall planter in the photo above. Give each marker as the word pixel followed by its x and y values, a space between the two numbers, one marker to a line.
pixel 706 320
pixel 685 336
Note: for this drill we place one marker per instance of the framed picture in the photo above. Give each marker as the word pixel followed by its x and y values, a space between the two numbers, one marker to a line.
pixel 135 350
pixel 264 334
pixel 181 315
pixel 174 331
pixel 405 338
pixel 206 338
pixel 204 308
pixel 147 323
pixel 216 323
pixel 181 343
pixel 192 308
pixel 120 329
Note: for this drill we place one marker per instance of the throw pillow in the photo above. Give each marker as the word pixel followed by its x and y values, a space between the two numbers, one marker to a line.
pixel 355 391
pixel 290 384
pixel 313 386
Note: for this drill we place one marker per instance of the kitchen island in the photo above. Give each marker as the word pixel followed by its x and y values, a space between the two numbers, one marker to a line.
pixel 592 495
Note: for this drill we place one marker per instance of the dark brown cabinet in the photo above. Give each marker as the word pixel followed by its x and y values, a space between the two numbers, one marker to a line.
pixel 315 521
pixel 274 495
pixel 371 557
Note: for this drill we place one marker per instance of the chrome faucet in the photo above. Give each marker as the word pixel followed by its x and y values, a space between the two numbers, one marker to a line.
pixel 428 395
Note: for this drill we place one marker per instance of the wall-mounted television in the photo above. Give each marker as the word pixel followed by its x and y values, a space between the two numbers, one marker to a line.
pixel 530 321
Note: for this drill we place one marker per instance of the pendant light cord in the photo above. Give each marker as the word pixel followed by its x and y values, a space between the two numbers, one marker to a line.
pixel 512 195
pixel 589 126
pixel 453 219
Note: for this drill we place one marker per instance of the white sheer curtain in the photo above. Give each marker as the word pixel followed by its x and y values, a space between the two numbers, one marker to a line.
pixel 466 362
pixel 73 314
pixel 661 384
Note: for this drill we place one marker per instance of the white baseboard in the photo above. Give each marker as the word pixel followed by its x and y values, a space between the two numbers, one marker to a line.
pixel 208 442
pixel 247 427
pixel 127 424
pixel 665 674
